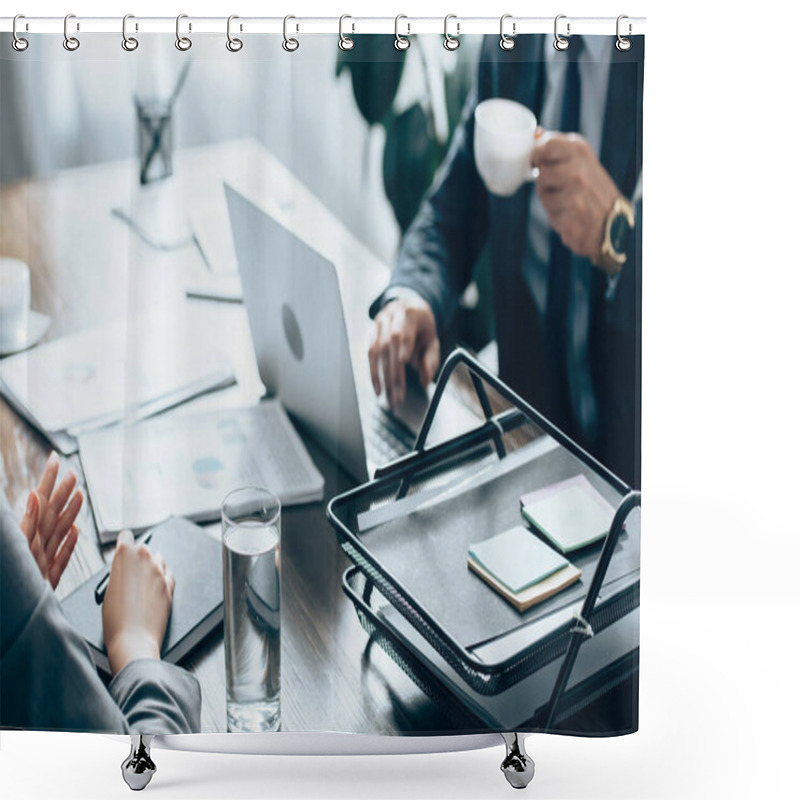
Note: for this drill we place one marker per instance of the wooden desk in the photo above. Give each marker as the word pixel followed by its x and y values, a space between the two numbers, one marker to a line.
pixel 87 267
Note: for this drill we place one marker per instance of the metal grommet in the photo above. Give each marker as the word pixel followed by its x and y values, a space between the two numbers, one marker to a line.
pixel 560 43
pixel 129 43
pixel 623 44
pixel 289 44
pixel 183 43
pixel 450 42
pixel 507 42
pixel 233 44
pixel 401 42
pixel 18 43
pixel 71 43
pixel 345 42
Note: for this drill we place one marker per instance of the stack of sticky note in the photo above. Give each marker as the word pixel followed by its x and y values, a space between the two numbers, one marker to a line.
pixel 521 567
pixel 570 514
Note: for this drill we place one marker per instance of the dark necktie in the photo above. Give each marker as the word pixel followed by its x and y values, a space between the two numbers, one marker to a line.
pixel 567 318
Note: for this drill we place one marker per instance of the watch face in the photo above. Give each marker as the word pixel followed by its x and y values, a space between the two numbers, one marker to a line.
pixel 619 233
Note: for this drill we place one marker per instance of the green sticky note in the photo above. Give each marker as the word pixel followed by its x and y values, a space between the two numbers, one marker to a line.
pixel 570 518
pixel 517 558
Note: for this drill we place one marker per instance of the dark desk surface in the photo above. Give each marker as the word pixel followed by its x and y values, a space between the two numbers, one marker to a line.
pixel 327 683
pixel 86 267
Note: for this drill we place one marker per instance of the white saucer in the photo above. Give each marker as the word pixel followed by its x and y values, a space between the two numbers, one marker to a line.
pixel 37 327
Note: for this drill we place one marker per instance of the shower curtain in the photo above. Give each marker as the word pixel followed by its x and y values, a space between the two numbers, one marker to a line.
pixel 231 261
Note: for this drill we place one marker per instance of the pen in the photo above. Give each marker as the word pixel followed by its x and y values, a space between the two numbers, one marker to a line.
pixel 100 589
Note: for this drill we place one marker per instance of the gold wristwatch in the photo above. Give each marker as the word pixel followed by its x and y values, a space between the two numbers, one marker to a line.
pixel 619 224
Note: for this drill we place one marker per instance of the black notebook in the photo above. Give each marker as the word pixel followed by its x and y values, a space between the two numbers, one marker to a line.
pixel 195 558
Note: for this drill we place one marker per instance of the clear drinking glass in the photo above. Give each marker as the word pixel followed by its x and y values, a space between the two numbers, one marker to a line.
pixel 251 536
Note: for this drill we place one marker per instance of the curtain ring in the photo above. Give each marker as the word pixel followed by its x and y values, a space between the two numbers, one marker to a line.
pixel 233 44
pixel 129 43
pixel 289 44
pixel 623 44
pixel 401 42
pixel 560 43
pixel 451 42
pixel 71 43
pixel 507 42
pixel 18 43
pixel 345 42
pixel 183 43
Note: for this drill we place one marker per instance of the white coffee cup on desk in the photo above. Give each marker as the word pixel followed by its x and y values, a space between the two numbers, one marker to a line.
pixel 504 141
pixel 15 301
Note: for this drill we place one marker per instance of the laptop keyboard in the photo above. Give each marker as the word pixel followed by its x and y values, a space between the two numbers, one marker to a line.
pixel 387 437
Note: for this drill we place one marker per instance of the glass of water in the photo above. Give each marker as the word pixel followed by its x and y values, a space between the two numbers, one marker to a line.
pixel 251 541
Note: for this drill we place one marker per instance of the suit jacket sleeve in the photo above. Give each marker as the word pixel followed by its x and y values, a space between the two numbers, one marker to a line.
pixel 48 680
pixel 632 267
pixel 622 309
pixel 157 697
pixel 440 248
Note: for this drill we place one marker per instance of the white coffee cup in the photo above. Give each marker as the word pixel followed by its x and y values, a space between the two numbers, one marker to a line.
pixel 504 140
pixel 15 301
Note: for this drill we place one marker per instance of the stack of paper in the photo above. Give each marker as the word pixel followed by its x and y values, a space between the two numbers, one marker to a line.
pixel 185 464
pixel 131 369
pixel 521 568
pixel 571 514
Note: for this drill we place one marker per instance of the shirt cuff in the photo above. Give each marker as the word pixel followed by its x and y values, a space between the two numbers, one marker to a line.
pixel 401 293
pixel 394 292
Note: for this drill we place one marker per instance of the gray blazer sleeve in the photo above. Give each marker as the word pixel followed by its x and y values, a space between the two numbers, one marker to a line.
pixel 157 697
pixel 48 680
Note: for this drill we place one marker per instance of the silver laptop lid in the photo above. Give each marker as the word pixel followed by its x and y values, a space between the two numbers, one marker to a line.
pixel 294 308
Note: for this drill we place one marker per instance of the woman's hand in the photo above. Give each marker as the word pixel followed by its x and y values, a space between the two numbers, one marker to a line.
pixel 49 521
pixel 137 603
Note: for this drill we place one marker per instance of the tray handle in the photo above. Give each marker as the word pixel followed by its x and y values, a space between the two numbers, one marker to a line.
pixel 583 629
pixel 480 375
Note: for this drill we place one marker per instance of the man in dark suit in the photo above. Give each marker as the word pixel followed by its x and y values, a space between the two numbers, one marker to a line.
pixel 566 256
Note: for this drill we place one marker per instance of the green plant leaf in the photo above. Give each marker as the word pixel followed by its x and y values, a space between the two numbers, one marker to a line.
pixel 341 62
pixel 410 157
pixel 457 86
pixel 375 68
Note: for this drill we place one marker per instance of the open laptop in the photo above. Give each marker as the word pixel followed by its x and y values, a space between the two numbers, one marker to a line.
pixel 297 324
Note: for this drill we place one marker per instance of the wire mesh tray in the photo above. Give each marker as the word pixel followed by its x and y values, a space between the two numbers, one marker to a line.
pixel 408 531
pixel 467 713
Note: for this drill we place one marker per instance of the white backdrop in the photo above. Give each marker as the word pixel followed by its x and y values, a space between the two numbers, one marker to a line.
pixel 720 601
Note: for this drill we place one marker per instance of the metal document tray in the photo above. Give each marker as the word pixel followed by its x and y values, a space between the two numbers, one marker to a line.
pixel 408 529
